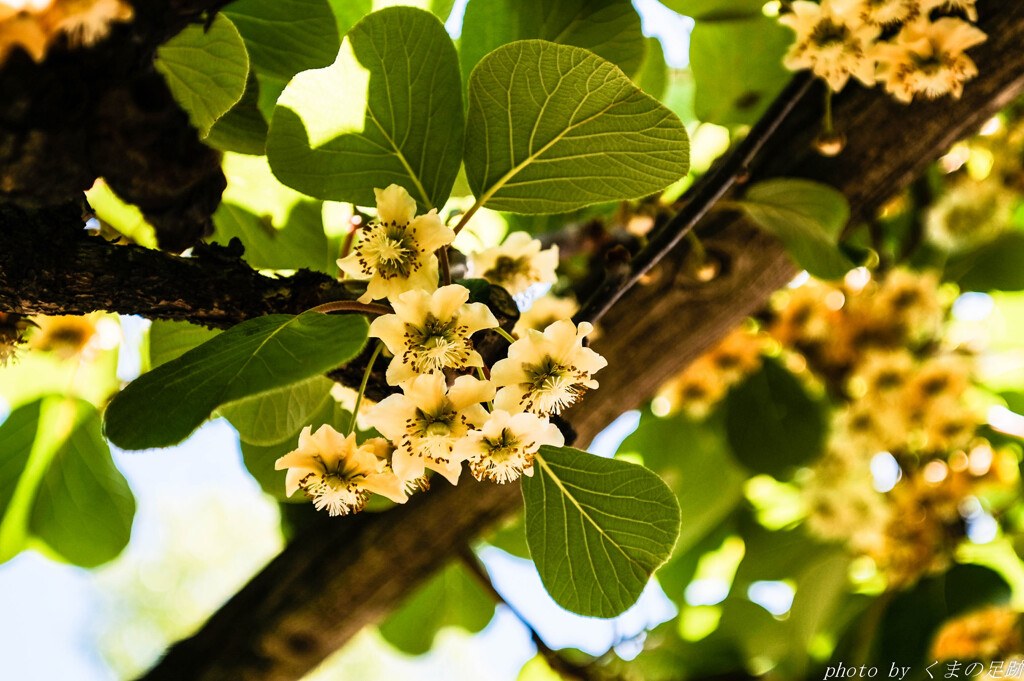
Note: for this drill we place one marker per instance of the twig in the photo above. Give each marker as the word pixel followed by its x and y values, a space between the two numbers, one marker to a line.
pixel 708 190
pixel 567 670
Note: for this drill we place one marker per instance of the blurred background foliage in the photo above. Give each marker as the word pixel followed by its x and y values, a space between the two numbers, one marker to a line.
pixel 847 460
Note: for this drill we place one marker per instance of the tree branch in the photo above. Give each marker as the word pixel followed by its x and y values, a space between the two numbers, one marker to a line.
pixel 50 265
pixel 342 575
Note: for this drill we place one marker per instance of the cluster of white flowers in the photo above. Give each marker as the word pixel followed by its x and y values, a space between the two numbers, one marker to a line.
pixel 495 421
pixel 912 47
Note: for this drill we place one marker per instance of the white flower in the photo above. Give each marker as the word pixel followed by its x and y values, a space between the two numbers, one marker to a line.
pixel 396 252
pixel 832 43
pixel 516 264
pixel 927 58
pixel 428 420
pixel 545 311
pixel 430 332
pixel 546 372
pixel 336 473
pixel 504 447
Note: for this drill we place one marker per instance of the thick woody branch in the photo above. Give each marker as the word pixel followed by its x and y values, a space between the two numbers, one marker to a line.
pixel 342 575
pixel 49 265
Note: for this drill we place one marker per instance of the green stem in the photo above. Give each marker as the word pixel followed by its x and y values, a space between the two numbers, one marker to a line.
pixel 362 388
pixel 468 214
pixel 483 377
pixel 504 334
pixel 697 248
pixel 828 109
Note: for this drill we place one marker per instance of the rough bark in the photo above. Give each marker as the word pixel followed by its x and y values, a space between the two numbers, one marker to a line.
pixel 342 575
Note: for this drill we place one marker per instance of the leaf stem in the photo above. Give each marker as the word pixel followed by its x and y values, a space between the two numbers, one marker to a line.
pixel 352 306
pixel 484 377
pixel 469 214
pixel 362 388
pixel 446 270
pixel 504 334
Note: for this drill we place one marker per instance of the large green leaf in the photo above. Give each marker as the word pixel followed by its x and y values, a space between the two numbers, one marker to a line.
pixel 284 37
pixel 164 406
pixel 552 128
pixel 171 340
pixel 59 485
pixel 206 69
pixel 608 28
pixel 772 424
pixel 807 217
pixel 389 110
pixel 349 12
pixel 270 418
pixel 17 434
pixel 298 242
pixel 84 508
pixel 452 598
pixel 653 75
pixel 692 458
pixel 737 68
pixel 243 129
pixel 597 528
pixel 716 9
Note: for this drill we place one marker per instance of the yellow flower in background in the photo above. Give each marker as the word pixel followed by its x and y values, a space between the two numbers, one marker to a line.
pixel 396 251
pixel 882 12
pixel 544 312
pixel 430 332
pixel 336 473
pixel 75 337
pixel 547 372
pixel 991 633
pixel 34 25
pixel 427 421
pixel 504 447
pixel 834 44
pixel 927 58
pixel 966 6
pixel 516 264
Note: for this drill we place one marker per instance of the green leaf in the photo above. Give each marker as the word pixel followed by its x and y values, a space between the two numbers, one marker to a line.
pixel 716 9
pixel 299 242
pixel 349 12
pixel 284 37
pixel 243 129
pixel 996 266
pixel 452 598
pixel 597 528
pixel 84 508
pixel 807 217
pixel 552 128
pixel 270 418
pixel 737 68
pixel 692 459
pixel 171 340
pixel 608 28
pixel 388 111
pixel 260 459
pixel 771 423
pixel 205 70
pixel 17 434
pixel 124 217
pixel 653 75
pixel 164 406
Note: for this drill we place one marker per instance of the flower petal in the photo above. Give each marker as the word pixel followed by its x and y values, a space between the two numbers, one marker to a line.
pixel 394 204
